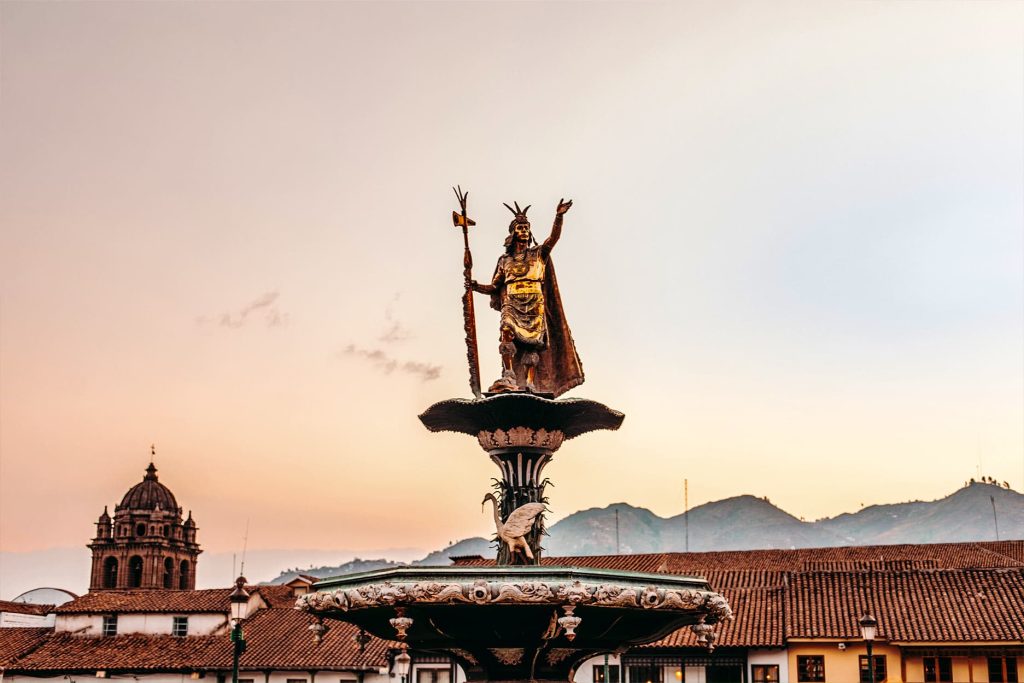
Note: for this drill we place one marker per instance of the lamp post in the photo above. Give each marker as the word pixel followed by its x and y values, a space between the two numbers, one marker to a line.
pixel 868 624
pixel 403 662
pixel 239 609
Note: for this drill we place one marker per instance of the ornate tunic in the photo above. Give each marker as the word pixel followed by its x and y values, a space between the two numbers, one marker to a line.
pixel 522 297
pixel 526 293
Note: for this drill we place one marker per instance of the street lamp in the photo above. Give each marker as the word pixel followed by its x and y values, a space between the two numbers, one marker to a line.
pixel 868 624
pixel 239 609
pixel 403 662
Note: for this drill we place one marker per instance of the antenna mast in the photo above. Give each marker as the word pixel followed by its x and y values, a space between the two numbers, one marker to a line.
pixel 616 532
pixel 245 546
pixel 686 511
pixel 995 517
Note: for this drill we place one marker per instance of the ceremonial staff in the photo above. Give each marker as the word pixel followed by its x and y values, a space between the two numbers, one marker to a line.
pixel 469 317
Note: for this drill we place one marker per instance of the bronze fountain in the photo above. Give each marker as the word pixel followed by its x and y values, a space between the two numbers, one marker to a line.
pixel 519 620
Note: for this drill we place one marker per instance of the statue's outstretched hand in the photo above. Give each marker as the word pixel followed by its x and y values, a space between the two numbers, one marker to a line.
pixel 563 206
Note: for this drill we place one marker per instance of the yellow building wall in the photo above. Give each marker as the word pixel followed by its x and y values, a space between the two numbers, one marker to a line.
pixel 965 669
pixel 843 666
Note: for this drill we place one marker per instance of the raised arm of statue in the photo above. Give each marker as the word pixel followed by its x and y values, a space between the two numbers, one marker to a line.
pixel 556 228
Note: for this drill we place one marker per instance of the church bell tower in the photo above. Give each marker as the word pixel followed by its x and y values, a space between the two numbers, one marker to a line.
pixel 146 545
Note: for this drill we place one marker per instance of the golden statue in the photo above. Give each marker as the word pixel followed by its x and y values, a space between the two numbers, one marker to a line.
pixel 538 354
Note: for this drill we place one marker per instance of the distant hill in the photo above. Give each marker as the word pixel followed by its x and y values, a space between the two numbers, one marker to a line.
pixel 966 515
pixel 748 523
pixel 351 567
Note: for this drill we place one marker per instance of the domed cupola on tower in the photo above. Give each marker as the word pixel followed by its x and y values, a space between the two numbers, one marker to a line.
pixel 149 494
pixel 146 545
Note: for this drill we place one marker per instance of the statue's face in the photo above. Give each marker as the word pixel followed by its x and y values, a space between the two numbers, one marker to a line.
pixel 521 232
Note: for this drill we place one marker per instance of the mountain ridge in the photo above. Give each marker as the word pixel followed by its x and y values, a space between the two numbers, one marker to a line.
pixel 748 522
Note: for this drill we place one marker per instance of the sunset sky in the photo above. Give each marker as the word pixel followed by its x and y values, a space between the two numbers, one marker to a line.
pixel 794 256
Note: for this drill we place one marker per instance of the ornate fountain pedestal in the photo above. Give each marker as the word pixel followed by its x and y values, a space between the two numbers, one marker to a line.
pixel 520 432
pixel 517 620
pixel 517 623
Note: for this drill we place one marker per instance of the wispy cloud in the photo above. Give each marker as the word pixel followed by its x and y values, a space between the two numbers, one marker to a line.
pixel 394 333
pixel 388 364
pixel 263 308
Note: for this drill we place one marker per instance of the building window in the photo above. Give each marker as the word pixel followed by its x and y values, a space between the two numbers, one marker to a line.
pixel 140 530
pixel 246 680
pixel 183 576
pixel 110 625
pixel 865 675
pixel 433 675
pixel 938 669
pixel 1002 669
pixel 296 680
pixel 613 673
pixel 764 673
pixel 110 572
pixel 180 627
pixel 810 668
pixel 646 674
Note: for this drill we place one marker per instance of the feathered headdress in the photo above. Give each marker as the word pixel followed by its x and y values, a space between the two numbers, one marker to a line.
pixel 519 213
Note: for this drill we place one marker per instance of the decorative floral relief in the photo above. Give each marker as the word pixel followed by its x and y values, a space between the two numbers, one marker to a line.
pixel 464 655
pixel 524 592
pixel 558 654
pixel 681 599
pixel 363 596
pixel 718 606
pixel 575 593
pixel 615 596
pixel 483 592
pixel 509 656
pixel 521 436
pixel 437 592
pixel 480 592
pixel 389 594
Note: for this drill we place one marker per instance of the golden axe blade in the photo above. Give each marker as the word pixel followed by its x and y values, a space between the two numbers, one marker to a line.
pixel 461 221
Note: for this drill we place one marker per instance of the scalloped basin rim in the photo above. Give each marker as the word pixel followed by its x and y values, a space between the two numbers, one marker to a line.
pixel 571 416
pixel 517 573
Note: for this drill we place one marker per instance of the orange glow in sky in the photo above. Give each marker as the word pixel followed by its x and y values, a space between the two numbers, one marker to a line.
pixel 794 257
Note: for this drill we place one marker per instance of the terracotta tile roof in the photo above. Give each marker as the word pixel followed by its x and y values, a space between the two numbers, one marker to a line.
pixel 25 608
pixel 277 638
pixel 280 639
pixel 69 654
pixel 948 605
pixel 17 642
pixel 276 595
pixel 209 600
pixel 841 558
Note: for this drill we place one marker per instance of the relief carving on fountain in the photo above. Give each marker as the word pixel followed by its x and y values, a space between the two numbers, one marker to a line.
pixel 531 592
pixel 521 437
